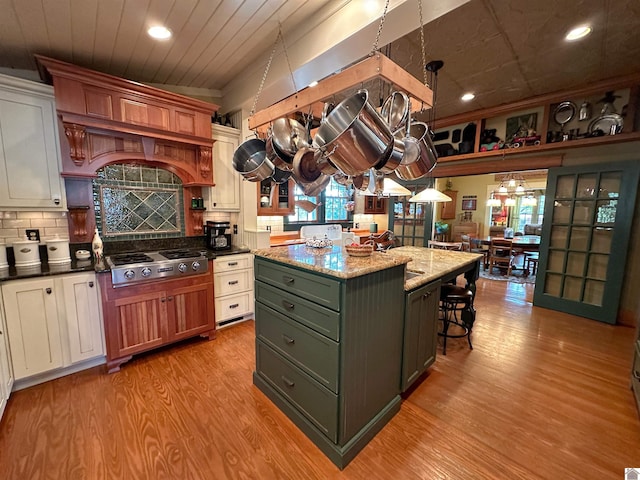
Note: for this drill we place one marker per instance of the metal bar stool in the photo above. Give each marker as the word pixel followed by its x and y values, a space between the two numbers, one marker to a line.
pixel 454 299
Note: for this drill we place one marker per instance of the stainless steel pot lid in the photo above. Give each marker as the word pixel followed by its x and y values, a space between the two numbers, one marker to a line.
pixel 396 110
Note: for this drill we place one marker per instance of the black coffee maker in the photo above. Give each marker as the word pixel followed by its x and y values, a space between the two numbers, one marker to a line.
pixel 216 237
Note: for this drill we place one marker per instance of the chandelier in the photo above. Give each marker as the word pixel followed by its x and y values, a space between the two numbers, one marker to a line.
pixel 512 186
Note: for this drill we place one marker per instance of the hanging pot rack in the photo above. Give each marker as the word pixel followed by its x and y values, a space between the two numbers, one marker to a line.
pixel 377 66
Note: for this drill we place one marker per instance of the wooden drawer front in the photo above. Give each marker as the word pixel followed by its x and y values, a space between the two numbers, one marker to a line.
pixel 232 262
pixel 234 306
pixel 314 353
pixel 314 401
pixel 320 319
pixel 232 282
pixel 635 375
pixel 316 288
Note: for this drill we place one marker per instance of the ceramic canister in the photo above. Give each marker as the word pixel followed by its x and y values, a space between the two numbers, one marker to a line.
pixel 26 253
pixel 58 250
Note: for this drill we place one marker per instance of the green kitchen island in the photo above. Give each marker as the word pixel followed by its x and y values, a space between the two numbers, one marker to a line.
pixel 330 332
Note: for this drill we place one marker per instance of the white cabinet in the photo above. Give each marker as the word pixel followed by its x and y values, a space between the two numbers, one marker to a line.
pixel 29 147
pixel 33 324
pixel 6 372
pixel 225 196
pixel 83 323
pixel 53 322
pixel 233 288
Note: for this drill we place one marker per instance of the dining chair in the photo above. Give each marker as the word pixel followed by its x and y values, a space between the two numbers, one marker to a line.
pixel 444 245
pixel 501 254
pixel 467 246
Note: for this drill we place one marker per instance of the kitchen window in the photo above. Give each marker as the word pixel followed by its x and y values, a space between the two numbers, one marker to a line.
pixel 333 206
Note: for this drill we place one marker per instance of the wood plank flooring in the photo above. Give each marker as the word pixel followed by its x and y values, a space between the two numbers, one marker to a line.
pixel 543 395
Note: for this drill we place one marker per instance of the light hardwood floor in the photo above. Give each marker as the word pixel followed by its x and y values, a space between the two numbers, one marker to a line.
pixel 542 395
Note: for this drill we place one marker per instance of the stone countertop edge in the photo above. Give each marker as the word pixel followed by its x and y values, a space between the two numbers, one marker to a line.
pixel 333 261
pixel 431 263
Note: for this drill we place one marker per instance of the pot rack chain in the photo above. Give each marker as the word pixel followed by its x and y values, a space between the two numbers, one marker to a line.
pixel 279 37
pixel 374 47
pixel 424 53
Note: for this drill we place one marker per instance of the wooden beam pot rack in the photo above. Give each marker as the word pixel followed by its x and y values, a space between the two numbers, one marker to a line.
pixel 377 66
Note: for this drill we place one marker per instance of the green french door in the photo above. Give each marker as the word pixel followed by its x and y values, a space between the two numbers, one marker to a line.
pixel 585 235
pixel 411 221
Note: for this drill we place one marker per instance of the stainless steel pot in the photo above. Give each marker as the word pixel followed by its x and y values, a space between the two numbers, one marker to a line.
pixel 281 161
pixel 288 136
pixel 361 182
pixel 427 159
pixel 354 136
pixel 305 165
pixel 312 189
pixel 250 159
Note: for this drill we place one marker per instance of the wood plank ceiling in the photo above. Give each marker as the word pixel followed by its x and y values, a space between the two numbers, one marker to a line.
pixel 503 50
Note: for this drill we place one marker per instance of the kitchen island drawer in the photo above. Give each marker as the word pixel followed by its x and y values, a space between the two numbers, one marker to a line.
pixel 232 262
pixel 321 290
pixel 233 306
pixel 314 353
pixel 316 403
pixel 314 316
pixel 232 282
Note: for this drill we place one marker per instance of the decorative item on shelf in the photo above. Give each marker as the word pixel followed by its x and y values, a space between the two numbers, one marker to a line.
pixel 490 141
pixel 96 245
pixel 521 131
pixel 585 111
pixel 441 227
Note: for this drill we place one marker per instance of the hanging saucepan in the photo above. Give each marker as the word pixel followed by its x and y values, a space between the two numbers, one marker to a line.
pixel 281 161
pixel 280 176
pixel 305 164
pixel 250 159
pixel 342 179
pixel 377 185
pixel 396 110
pixel 427 159
pixel 288 135
pixel 354 136
pixel 406 148
pixel 361 182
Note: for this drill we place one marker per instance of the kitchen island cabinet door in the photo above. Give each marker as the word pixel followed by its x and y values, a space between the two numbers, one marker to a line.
pixel 84 325
pixel 33 324
pixel 225 195
pixel 29 149
pixel 420 332
pixel 6 372
pixel 191 309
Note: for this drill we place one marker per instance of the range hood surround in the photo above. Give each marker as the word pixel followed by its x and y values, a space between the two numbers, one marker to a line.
pixel 108 120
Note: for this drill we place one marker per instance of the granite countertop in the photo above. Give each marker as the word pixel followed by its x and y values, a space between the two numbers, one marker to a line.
pixel 431 263
pixel 332 261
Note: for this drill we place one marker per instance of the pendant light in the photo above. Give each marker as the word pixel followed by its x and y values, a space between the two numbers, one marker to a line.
pixel 492 201
pixel 430 195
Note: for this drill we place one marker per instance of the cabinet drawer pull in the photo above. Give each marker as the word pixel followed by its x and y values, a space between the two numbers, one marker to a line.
pixel 636 374
pixel 288 280
pixel 234 282
pixel 288 339
pixel 232 264
pixel 287 305
pixel 48 290
pixel 235 305
pixel 426 295
pixel 288 382
pixel 163 299
pixel 169 298
pixel 90 284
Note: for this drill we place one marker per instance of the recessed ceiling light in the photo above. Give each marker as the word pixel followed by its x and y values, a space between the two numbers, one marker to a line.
pixel 159 32
pixel 313 84
pixel 578 32
pixel 467 97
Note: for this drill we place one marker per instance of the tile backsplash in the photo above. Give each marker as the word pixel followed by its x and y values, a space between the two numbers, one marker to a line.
pixel 13 225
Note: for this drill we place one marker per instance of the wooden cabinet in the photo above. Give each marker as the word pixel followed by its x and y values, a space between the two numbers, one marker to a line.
pixel 233 287
pixel 29 149
pixel 33 324
pixel 275 199
pixel 141 317
pixel 375 205
pixel 225 195
pixel 6 370
pixel 448 209
pixel 82 316
pixel 420 332
pixel 328 352
pixel 53 322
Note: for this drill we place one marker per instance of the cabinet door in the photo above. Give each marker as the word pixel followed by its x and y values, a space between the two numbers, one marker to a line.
pixel 587 220
pixel 135 324
pixel 29 151
pixel 33 326
pixel 448 209
pixel 225 195
pixel 275 199
pixel 84 326
pixel 420 332
pixel 191 310
pixel 6 372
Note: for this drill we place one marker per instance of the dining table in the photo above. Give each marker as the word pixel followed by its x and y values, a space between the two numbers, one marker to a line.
pixel 525 243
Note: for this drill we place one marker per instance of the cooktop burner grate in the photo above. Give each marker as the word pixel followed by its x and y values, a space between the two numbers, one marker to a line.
pixel 130 258
pixel 173 254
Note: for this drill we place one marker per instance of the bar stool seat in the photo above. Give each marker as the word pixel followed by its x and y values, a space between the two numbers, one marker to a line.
pixel 454 299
